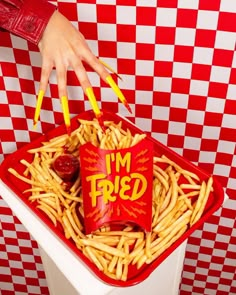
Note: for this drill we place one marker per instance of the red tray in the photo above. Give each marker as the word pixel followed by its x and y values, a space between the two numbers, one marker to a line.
pixel 135 276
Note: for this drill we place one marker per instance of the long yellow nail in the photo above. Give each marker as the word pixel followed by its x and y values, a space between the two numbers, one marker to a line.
pixel 38 107
pixel 110 68
pixel 94 105
pixel 66 113
pixel 118 92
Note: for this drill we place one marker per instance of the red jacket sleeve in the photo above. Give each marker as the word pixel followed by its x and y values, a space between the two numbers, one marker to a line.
pixel 26 18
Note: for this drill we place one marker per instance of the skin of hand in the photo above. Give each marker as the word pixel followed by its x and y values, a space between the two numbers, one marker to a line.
pixel 63 46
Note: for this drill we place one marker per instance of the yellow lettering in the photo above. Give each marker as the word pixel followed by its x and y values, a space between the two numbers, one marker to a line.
pixel 107 189
pixel 124 187
pixel 93 192
pixel 139 178
pixel 125 161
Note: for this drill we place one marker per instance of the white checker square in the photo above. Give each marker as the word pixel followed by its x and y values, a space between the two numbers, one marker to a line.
pixel 106 32
pixel 33 289
pixel 144 68
pixel 3 97
pixel 149 3
pixel 191 4
pixel 6 123
pixel 203 55
pixel 162 84
pixel 126 15
pixel 144 123
pixel 207 157
pixel 228 121
pixel 226 222
pixel 207 19
pixel 9 234
pixel 228 6
pixel 21 135
pixel 232 184
pixel 220 74
pixel 226 147
pixel 177 128
pixel 219 253
pixel 6 218
pixel 143 97
pixel 47 116
pixel 187 288
pixel 198 87
pixel 107 95
pixel 231 92
pixel 12 84
pixel 160 113
pixel 164 52
pixel 178 100
pixel 220 169
pixel 19 43
pixel 93 45
pixel 35 59
pixel 211 132
pixel 166 17
pixel 182 70
pixel 12 249
pixel 145 34
pixel 185 36
pixel 207 243
pixel 110 2
pixel 216 266
pixel 122 110
pixel 128 82
pixel 222 238
pixel 225 40
pixel 195 117
pixel 87 12
pixel 199 284
pixel 126 50
pixel 160 137
pixel 76 92
pixel 177 150
pixel 18 280
pixel 215 105
pixel 7 54
pixel 17 111
pixel 192 143
pixel 221 287
pixel 191 262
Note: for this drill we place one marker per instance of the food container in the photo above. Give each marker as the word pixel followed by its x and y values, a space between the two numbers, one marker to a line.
pixel 135 275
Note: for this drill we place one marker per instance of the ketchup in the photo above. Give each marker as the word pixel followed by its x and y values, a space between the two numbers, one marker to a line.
pixel 66 166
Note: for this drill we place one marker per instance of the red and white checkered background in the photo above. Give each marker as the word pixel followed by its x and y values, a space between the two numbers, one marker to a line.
pixel 178 64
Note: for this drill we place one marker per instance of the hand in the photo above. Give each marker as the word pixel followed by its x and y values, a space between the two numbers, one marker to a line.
pixel 63 46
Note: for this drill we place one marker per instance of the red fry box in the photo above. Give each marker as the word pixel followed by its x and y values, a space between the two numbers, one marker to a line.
pixel 135 275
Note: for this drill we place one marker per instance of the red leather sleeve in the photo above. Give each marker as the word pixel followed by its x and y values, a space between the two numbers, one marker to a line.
pixel 27 18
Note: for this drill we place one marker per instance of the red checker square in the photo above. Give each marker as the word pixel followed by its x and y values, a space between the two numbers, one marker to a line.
pixel 213 119
pixel 4 112
pixel 161 98
pixel 175 141
pixel 186 18
pixel 5 40
pixel 69 10
pixel 144 83
pixel 72 78
pixel 224 159
pixel 146 16
pixel 177 114
pixel 205 38
pixel 195 241
pixel 14 97
pixel 106 13
pixel 168 3
pixel 111 106
pixel 226 22
pixel 126 3
pixel 228 213
pixel 160 126
pixel 27 86
pixel 210 5
pixel 221 245
pixel 183 53
pixel 129 94
pixel 191 255
pixel 89 30
pixel 20 288
pixel 201 72
pixel 19 124
pixel 145 51
pixel 22 56
pixel 224 230
pixel 36 73
pixel 208 167
pixel 227 133
pixel 126 33
pixel 193 130
pixel 197 290
pixel 17 272
pixel 217 89
pixel 126 66
pixel 191 155
pixel 206 250
pixel 209 144
pixel 203 264
pixel 214 273
pixel 163 68
pixel 143 111
pixel 196 102
pixel 165 35
pixel 180 85
pixel 107 49
pixel 212 286
pixel 232 79
pixel 223 57
pixel 226 282
pixel 200 277
pixel 9 69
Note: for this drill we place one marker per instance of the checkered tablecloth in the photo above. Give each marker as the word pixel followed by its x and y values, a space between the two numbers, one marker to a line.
pixel 178 64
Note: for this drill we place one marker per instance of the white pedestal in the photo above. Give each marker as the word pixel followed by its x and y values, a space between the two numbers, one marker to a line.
pixel 67 275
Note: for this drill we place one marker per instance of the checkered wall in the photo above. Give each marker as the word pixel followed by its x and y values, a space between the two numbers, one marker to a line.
pixel 178 64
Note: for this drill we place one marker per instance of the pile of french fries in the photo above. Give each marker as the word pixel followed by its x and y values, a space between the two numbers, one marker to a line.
pixel 179 200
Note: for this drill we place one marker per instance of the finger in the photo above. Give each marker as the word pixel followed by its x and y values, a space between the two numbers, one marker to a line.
pixel 81 75
pixel 98 67
pixel 61 71
pixel 45 74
